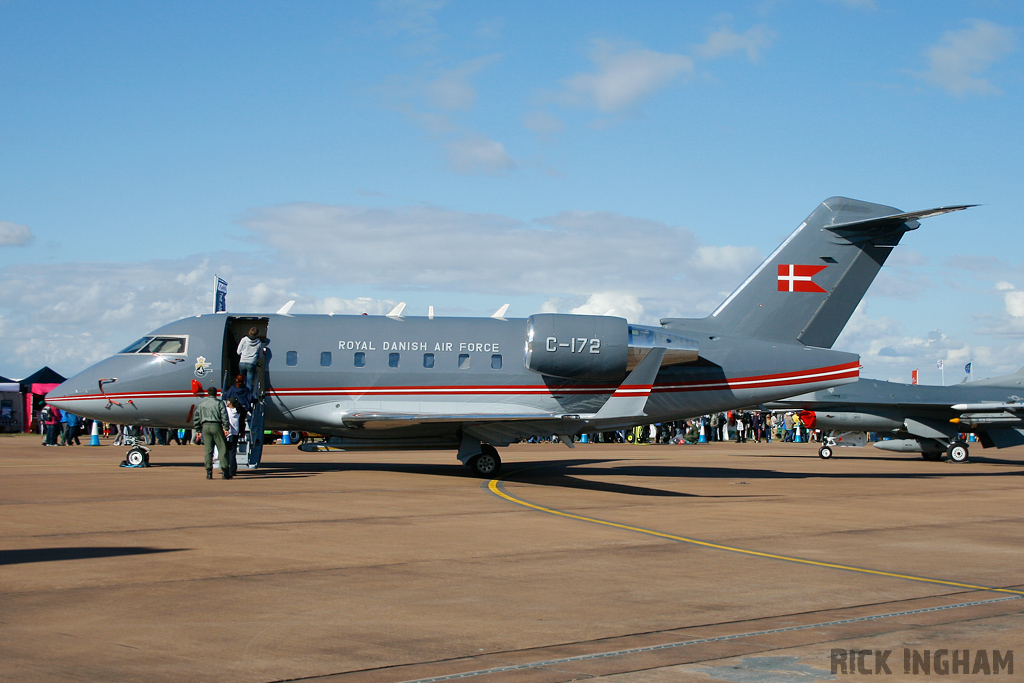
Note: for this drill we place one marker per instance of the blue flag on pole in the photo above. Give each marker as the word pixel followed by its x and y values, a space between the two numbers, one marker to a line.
pixel 967 368
pixel 221 299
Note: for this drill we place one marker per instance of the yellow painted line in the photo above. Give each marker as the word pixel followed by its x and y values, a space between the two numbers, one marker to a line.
pixel 493 485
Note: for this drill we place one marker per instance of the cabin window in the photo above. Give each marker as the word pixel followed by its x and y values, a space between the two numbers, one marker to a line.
pixel 393 360
pixel 463 361
pixel 496 362
pixel 428 360
pixel 291 358
pixel 325 359
pixel 360 359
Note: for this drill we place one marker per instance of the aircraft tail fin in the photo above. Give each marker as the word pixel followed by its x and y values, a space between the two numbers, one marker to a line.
pixel 808 288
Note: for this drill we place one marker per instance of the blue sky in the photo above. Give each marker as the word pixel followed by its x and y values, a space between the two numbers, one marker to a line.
pixel 574 157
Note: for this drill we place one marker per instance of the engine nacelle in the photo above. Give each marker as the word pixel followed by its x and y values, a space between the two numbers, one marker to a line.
pixel 577 346
pixel 597 347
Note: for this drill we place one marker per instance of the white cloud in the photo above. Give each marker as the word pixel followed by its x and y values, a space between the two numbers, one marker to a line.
pixel 621 304
pixel 726 42
pixel 957 62
pixel 566 258
pixel 1015 303
pixel 624 76
pixel 475 154
pixel 452 90
pixel 14 235
pixel 726 259
pixel 69 316
pixel 543 123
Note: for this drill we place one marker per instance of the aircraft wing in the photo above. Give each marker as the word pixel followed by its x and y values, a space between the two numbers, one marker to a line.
pixel 386 420
pixel 930 429
pixel 627 401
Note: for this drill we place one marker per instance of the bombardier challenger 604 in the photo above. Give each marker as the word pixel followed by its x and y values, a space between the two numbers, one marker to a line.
pixel 471 384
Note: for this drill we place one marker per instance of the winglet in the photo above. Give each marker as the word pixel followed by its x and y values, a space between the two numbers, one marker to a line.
pixel 396 312
pixel 630 398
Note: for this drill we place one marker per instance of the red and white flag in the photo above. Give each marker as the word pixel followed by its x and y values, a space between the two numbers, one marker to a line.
pixel 797 278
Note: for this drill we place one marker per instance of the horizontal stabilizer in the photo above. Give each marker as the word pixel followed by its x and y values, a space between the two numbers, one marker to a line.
pixel 872 228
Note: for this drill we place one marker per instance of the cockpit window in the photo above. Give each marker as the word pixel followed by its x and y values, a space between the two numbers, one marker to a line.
pixel 157 345
pixel 135 346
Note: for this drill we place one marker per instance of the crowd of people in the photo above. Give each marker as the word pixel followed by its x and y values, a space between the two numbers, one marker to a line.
pixel 735 425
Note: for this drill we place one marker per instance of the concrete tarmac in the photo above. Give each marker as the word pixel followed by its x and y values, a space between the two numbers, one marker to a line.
pixel 721 562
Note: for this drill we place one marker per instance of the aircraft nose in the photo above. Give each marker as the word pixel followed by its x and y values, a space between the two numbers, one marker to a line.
pixel 79 394
pixel 68 389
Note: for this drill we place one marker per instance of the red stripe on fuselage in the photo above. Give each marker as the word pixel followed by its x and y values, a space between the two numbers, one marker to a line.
pixel 845 371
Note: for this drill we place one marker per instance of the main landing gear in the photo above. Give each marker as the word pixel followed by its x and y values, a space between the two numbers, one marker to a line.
pixel 958 451
pixel 487 464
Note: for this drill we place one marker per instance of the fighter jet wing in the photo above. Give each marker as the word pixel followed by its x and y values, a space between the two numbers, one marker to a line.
pixel 929 429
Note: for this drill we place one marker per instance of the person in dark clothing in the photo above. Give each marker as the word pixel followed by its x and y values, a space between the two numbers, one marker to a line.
pixel 211 420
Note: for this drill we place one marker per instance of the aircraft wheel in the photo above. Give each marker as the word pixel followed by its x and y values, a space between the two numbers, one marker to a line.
pixel 958 451
pixel 487 464
pixel 825 452
pixel 136 457
pixel 932 457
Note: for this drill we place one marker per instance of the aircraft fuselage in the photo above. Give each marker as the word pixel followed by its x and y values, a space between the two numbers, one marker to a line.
pixel 374 377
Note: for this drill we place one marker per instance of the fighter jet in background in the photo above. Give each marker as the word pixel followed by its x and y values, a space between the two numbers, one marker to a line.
pixel 920 419
pixel 470 384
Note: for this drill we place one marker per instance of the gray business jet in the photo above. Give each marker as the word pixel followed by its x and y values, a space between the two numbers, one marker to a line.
pixel 922 419
pixel 470 384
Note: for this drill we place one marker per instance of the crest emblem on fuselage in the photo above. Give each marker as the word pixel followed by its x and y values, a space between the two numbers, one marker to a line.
pixel 202 367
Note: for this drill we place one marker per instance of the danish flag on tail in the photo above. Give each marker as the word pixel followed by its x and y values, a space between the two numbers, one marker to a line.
pixel 797 278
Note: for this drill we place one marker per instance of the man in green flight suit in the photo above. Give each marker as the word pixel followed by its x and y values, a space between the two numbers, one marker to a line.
pixel 211 420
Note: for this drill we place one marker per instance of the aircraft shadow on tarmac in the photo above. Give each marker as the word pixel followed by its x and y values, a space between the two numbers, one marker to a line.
pixel 27 555
pixel 570 473
pixel 882 457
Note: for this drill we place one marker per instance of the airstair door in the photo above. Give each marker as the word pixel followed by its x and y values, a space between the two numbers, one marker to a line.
pixel 250 446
